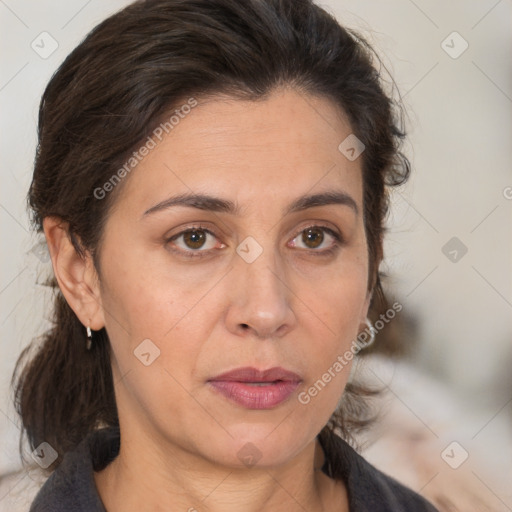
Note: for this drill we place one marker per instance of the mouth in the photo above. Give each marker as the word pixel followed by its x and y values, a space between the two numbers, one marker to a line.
pixel 256 389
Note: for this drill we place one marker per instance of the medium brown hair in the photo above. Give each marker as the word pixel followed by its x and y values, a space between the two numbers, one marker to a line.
pixel 111 92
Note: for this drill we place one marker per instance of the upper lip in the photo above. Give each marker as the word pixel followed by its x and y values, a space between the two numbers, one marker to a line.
pixel 249 374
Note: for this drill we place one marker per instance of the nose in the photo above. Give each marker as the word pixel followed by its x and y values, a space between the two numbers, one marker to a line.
pixel 261 298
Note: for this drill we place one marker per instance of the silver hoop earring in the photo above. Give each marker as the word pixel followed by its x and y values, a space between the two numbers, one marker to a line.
pixel 371 332
pixel 89 338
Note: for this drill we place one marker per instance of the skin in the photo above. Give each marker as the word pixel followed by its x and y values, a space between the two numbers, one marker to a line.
pixel 180 438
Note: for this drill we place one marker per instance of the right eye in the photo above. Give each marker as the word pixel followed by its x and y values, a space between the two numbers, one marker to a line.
pixel 193 239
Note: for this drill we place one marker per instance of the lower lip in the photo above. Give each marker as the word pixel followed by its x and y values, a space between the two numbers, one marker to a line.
pixel 253 396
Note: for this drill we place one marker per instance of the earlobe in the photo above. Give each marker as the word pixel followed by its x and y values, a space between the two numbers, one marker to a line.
pixel 76 276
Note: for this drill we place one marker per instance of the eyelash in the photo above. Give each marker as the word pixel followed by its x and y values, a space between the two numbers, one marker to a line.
pixel 201 254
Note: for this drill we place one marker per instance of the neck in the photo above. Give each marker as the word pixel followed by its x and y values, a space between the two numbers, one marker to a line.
pixel 141 479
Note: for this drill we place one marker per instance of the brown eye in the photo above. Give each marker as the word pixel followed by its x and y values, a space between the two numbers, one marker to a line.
pixel 318 240
pixel 194 239
pixel 194 242
pixel 313 237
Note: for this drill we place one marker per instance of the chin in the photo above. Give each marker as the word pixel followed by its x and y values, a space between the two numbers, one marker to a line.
pixel 255 447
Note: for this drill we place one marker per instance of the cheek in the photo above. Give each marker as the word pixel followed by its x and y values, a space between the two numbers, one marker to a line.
pixel 141 302
pixel 335 317
pixel 150 313
pixel 154 330
pixel 337 302
pixel 155 338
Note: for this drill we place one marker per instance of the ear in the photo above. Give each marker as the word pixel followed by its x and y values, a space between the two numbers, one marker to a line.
pixel 366 305
pixel 76 276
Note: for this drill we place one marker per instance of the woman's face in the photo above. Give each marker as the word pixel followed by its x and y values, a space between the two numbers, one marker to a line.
pixel 245 286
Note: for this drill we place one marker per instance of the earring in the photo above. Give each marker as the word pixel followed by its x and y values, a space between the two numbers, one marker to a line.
pixel 89 338
pixel 371 331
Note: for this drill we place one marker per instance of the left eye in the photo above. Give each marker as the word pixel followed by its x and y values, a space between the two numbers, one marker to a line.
pixel 312 237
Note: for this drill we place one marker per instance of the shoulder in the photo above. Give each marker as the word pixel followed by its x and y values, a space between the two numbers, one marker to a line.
pixel 71 486
pixel 369 489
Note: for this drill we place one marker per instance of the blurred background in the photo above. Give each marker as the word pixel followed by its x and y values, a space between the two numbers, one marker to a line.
pixel 448 252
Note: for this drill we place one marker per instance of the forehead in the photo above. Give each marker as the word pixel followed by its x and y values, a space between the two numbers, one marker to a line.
pixel 260 150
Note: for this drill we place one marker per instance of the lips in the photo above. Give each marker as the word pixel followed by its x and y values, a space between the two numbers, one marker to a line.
pixel 256 389
pixel 249 374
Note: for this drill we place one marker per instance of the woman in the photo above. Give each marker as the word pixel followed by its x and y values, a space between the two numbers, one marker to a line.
pixel 211 179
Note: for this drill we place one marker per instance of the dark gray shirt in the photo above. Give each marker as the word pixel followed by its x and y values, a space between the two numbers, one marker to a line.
pixel 71 486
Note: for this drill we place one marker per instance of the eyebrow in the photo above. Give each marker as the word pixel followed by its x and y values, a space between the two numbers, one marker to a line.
pixel 217 204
